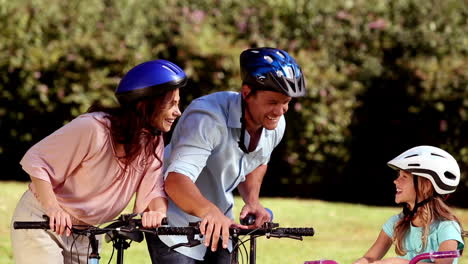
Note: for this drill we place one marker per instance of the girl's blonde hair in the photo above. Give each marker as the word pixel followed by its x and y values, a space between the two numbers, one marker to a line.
pixel 434 210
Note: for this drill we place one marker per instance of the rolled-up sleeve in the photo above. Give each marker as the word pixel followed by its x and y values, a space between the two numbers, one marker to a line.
pixel 198 134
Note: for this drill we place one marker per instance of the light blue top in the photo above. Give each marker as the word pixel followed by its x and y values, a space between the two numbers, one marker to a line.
pixel 439 232
pixel 204 147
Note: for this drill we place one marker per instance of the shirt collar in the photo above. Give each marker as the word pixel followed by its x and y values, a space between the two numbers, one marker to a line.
pixel 234 113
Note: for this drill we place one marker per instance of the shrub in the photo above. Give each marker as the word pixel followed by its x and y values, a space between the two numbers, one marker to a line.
pixel 382 76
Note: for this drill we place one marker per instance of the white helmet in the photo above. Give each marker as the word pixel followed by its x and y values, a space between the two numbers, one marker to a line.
pixel 432 163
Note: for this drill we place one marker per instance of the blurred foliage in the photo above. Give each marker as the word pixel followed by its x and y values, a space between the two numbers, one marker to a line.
pixel 382 76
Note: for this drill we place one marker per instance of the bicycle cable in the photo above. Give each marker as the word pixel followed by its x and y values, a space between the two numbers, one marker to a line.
pixel 112 254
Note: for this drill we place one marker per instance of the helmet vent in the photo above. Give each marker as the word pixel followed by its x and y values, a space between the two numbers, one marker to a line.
pixel 414 164
pixel 449 175
pixel 280 54
pixel 434 154
pixel 410 156
pixel 289 72
pixel 268 59
pixel 168 68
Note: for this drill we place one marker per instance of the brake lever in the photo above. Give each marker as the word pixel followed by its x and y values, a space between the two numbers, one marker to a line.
pixel 46 217
pixel 269 228
pixel 127 217
pixel 190 243
pixel 281 236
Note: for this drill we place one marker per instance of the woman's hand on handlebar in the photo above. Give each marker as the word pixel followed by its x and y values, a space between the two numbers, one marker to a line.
pixel 152 219
pixel 261 214
pixel 59 221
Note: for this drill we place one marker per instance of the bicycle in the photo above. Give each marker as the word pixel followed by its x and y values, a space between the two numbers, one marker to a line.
pixel 431 255
pixel 126 229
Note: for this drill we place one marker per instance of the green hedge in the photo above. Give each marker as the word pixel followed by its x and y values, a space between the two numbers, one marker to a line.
pixel 374 69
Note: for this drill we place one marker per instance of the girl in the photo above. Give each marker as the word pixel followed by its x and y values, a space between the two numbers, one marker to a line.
pixel 86 172
pixel 426 175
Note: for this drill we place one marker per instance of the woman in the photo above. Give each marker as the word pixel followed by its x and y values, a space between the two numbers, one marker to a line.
pixel 426 175
pixel 86 172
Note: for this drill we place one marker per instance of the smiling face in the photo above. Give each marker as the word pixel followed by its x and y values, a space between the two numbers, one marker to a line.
pixel 264 108
pixel 405 191
pixel 169 111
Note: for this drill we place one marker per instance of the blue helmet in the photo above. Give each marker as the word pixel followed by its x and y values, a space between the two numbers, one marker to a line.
pixel 149 79
pixel 272 69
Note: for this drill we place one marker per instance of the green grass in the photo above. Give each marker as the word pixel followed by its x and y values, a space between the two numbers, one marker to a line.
pixel 343 232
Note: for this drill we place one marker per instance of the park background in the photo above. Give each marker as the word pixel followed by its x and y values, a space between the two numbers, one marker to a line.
pixel 382 76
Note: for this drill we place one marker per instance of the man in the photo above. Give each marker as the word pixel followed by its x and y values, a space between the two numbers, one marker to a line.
pixel 224 140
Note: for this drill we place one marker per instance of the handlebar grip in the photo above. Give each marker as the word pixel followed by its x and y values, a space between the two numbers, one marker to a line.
pixel 250 218
pixel 296 231
pixel 31 225
pixel 178 231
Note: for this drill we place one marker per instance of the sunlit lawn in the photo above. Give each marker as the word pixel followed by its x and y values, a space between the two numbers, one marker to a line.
pixel 343 232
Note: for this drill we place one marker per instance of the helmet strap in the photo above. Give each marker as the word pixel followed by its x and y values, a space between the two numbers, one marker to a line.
pixel 408 213
pixel 243 128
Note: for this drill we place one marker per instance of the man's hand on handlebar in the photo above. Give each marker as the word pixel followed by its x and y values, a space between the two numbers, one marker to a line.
pixel 215 225
pixel 261 214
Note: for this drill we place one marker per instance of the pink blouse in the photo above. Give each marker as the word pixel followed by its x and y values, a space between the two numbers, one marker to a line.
pixel 79 161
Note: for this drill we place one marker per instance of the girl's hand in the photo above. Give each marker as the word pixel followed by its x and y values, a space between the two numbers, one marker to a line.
pixel 361 261
pixel 152 219
pixel 59 220
pixel 391 261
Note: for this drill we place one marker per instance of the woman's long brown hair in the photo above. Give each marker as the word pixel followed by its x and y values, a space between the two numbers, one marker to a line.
pixel 434 210
pixel 130 126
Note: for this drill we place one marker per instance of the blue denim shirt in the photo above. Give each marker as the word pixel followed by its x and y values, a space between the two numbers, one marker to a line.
pixel 204 147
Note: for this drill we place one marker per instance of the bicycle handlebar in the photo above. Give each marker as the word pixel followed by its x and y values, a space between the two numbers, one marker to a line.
pixel 127 228
pixel 134 225
pixel 435 255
